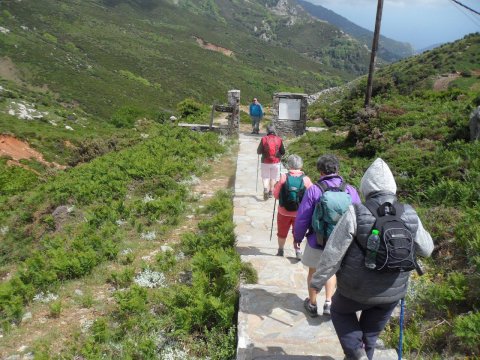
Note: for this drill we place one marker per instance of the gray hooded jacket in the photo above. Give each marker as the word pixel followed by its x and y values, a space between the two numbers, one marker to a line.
pixel 343 256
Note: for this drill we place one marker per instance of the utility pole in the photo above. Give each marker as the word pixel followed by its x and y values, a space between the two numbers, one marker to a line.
pixel 376 36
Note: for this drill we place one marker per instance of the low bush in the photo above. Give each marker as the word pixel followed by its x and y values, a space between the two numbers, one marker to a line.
pixel 98 192
pixel 55 309
pixel 126 116
pixel 190 109
pixel 182 320
pixel 466 329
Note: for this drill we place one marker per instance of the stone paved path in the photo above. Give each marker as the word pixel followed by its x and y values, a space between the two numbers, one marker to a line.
pixel 271 320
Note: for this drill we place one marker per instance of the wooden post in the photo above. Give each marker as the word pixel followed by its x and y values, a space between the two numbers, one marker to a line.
pixel 234 102
pixel 376 36
pixel 213 114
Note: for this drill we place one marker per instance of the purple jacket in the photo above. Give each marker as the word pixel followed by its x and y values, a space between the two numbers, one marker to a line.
pixel 303 220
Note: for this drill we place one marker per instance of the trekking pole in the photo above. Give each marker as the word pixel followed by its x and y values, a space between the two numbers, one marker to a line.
pixel 273 216
pixel 400 337
pixel 256 182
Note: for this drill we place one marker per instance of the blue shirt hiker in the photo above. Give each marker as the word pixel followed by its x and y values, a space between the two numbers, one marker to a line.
pixel 256 114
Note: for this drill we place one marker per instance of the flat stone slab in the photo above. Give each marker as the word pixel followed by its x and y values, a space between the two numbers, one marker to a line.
pixel 273 322
pixel 282 272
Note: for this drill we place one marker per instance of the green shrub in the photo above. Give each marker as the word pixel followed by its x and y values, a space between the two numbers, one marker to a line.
pixel 467 235
pixel 166 261
pixel 7 14
pixel 131 76
pixel 49 221
pixel 189 108
pixel 100 330
pixel 126 257
pixel 50 38
pixel 132 301
pixel 122 279
pixel 162 117
pixel 467 330
pixel 216 344
pixel 248 273
pixel 12 297
pixel 85 300
pixel 55 309
pixel 448 294
pixel 126 116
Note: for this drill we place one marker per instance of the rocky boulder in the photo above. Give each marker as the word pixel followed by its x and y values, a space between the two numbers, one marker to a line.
pixel 475 125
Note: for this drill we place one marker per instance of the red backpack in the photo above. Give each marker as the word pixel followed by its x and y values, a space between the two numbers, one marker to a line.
pixel 271 146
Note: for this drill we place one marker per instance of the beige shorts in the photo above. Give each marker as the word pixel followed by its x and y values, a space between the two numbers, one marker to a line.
pixel 271 171
pixel 311 256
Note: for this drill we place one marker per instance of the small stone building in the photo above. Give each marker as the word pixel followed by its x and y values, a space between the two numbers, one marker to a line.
pixel 290 113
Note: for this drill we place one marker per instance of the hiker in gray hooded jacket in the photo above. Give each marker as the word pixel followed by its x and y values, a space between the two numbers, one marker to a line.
pixel 373 293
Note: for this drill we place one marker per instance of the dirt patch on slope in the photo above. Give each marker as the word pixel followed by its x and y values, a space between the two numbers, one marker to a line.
pixel 442 82
pixel 209 46
pixel 19 150
pixel 8 70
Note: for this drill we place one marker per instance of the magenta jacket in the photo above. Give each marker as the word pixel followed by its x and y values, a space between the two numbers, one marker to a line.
pixel 303 220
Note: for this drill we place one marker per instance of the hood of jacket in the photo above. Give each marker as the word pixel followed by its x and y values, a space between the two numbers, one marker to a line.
pixel 378 177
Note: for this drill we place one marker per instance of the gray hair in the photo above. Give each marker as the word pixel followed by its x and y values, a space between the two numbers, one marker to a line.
pixel 270 129
pixel 294 162
pixel 328 164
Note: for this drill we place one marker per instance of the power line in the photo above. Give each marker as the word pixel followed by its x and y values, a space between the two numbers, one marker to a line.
pixel 466 7
pixel 469 16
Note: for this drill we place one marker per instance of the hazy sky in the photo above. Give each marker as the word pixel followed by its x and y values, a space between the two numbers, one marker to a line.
pixel 420 22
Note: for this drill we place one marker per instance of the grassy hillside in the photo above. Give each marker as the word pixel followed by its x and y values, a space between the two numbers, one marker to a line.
pixel 389 50
pixel 451 66
pixel 422 132
pixel 106 54
pixel 288 25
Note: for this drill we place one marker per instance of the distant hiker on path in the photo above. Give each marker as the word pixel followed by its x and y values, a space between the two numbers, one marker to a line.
pixel 328 166
pixel 256 114
pixel 289 191
pixel 367 289
pixel 271 148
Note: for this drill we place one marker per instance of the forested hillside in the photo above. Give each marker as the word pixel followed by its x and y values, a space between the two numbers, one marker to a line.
pixel 153 54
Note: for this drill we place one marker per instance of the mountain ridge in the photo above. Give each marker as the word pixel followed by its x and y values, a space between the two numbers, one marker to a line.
pixel 389 49
pixel 111 53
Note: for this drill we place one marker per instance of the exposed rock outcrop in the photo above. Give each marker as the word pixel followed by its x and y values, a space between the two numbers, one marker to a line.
pixel 475 125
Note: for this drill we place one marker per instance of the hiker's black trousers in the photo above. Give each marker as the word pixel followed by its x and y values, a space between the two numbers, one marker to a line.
pixel 353 332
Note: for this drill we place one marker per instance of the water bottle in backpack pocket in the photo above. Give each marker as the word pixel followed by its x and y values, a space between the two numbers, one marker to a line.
pixel 373 243
pixel 329 209
pixel 396 249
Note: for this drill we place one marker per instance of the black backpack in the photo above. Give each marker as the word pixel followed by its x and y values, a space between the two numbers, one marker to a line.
pixel 292 192
pixel 396 251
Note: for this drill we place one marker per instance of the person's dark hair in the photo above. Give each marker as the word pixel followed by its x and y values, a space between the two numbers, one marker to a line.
pixel 328 164
pixel 270 129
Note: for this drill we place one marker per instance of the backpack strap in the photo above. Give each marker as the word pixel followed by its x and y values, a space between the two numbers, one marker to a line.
pixel 324 187
pixel 384 212
pixel 362 249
